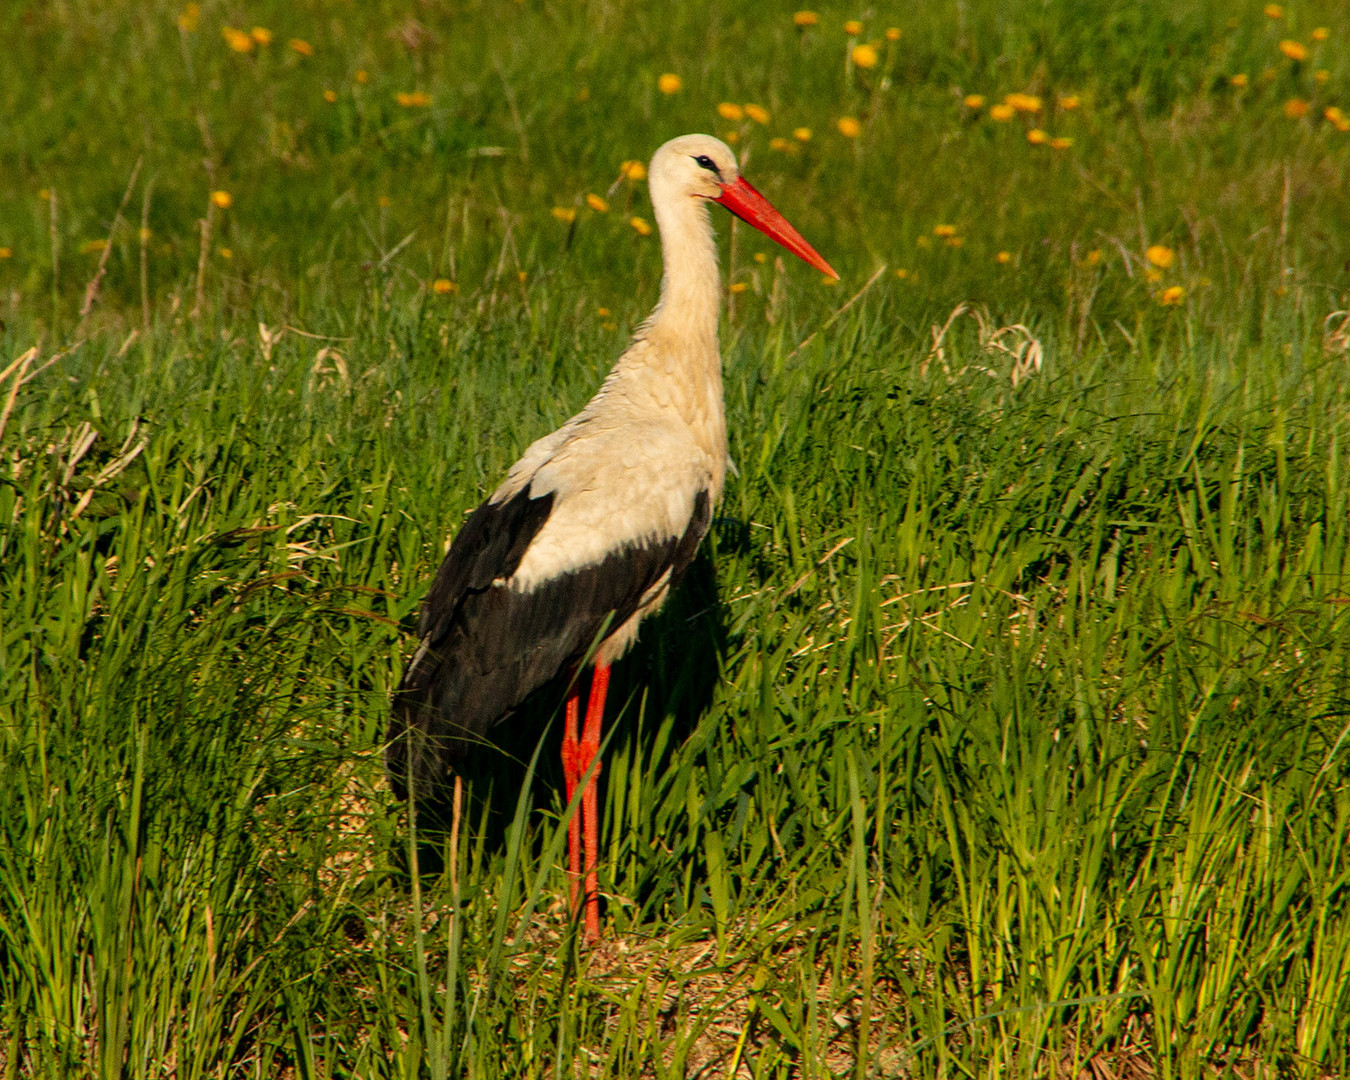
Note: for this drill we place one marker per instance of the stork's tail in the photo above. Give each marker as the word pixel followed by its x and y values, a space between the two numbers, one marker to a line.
pixel 422 748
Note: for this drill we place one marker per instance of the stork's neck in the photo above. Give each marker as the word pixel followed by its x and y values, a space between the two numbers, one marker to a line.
pixel 690 288
pixel 674 367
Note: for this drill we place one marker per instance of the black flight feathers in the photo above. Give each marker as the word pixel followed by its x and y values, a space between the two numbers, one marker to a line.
pixel 484 650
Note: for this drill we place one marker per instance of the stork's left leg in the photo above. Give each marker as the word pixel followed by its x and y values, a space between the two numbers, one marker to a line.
pixel 589 758
pixel 572 771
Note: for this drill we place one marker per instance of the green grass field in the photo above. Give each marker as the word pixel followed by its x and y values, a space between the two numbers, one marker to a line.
pixel 1001 728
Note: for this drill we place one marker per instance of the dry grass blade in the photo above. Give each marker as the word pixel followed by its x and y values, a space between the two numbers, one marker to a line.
pixel 1015 341
pixel 322 375
pixel 124 457
pixel 267 339
pixel 937 350
pixel 1018 342
pixel 876 276
pixel 1336 333
pixel 17 369
pixel 819 563
pixel 91 290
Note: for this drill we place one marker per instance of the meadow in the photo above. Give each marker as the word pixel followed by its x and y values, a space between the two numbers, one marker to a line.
pixel 1001 726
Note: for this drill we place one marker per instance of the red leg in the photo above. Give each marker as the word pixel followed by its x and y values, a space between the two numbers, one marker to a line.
pixel 589 758
pixel 572 770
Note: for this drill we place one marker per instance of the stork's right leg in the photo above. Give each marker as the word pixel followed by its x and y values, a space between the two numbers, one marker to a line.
pixel 588 760
pixel 571 762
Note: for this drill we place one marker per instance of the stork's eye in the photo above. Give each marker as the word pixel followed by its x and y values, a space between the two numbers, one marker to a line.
pixel 704 161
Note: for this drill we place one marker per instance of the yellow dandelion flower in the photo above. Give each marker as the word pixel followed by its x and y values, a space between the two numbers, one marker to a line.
pixel 955 241
pixel 1296 108
pixel 633 170
pixel 1321 75
pixel 866 56
pixel 1333 113
pixel 567 214
pixel 973 101
pixel 802 134
pixel 1093 257
pixel 737 287
pixel 5 253
pixel 1320 33
pixel 902 273
pixel 731 138
pixel 849 127
pixel 669 83
pixel 1239 80
pixel 223 199
pixel 330 96
pixel 1160 256
pixel 1172 295
pixel 143 234
pixel 362 76
pixel 596 203
pixel 1295 50
pixel 944 230
pixel 261 35
pixel 758 113
pixel 1037 137
pixel 521 275
pixel 44 194
pixel 760 257
pixel 640 226
pixel 729 110
pixel 1060 142
pixel 383 200
pixel 805 18
pixel 188 18
pixel 603 312
pixel 1003 257
pixel 1001 112
pixel 301 46
pixel 782 145
pixel 1069 102
pixel 225 253
pixel 443 286
pixel 1152 276
pixel 415 100
pixel 90 247
pixel 238 40
pixel 1027 103
pixel 892 33
pixel 853 27
pixel 1273 11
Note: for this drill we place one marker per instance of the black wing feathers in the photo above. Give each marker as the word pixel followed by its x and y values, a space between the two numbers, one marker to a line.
pixel 488 546
pixel 484 650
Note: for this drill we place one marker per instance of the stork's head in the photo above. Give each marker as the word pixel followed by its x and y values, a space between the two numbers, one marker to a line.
pixel 701 167
pixel 697 166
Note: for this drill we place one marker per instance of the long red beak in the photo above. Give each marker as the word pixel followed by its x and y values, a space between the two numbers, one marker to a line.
pixel 754 209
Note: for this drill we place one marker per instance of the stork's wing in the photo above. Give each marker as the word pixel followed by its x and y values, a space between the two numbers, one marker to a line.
pixel 486 646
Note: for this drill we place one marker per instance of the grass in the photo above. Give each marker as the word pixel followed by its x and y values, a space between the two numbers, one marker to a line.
pixel 999 730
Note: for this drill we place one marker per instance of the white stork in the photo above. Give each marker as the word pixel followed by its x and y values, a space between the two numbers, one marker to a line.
pixel 595 524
